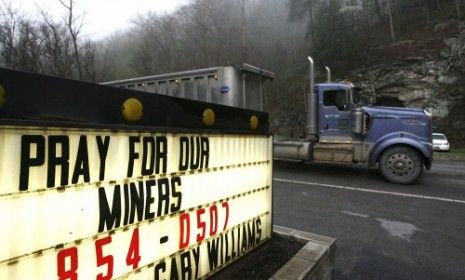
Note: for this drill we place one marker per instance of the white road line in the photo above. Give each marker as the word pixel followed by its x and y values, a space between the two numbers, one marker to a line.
pixel 370 190
pixel 355 214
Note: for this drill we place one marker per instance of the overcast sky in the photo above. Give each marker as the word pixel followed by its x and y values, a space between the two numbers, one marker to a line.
pixel 101 17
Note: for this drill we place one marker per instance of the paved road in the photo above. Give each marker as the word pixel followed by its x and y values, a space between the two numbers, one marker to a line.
pixel 383 230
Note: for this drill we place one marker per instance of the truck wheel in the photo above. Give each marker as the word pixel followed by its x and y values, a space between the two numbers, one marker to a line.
pixel 401 165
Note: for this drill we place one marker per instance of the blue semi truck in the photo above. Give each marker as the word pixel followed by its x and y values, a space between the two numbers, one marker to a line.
pixel 343 129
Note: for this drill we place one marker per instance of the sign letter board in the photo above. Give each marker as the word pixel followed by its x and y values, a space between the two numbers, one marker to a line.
pixel 100 204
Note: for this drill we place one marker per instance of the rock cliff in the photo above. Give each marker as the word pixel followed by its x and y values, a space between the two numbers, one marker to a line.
pixel 422 74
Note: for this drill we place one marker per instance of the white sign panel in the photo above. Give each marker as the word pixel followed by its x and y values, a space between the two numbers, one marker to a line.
pixel 96 204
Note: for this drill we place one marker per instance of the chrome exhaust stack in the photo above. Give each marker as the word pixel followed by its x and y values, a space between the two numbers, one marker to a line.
pixel 312 129
pixel 328 74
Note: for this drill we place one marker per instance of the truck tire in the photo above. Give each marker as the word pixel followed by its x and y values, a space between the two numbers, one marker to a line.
pixel 401 165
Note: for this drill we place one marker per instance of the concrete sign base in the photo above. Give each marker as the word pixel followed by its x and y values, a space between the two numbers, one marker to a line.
pixel 314 261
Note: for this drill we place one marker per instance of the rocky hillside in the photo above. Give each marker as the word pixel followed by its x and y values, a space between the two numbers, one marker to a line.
pixel 423 74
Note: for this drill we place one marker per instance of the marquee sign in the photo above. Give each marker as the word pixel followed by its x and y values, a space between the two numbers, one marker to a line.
pixel 100 204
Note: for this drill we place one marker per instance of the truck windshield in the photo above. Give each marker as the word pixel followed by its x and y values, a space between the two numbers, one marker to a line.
pixel 358 98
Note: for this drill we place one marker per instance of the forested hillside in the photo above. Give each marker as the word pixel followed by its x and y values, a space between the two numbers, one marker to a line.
pixel 403 52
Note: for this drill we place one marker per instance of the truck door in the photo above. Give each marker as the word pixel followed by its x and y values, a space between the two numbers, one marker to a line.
pixel 335 117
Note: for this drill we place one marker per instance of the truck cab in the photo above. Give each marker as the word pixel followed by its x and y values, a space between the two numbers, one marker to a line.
pixel 343 129
pixel 350 131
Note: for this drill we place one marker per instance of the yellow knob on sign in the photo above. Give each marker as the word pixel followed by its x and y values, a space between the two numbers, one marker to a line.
pixel 208 117
pixel 132 109
pixel 253 122
pixel 2 96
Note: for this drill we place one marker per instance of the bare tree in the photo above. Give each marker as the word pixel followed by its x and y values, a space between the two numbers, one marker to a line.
pixel 459 38
pixel 427 13
pixel 378 9
pixel 57 47
pixel 243 29
pixel 89 58
pixel 19 40
pixel 28 48
pixel 158 44
pixel 298 8
pixel 74 24
pixel 391 22
pixel 9 18
pixel 219 23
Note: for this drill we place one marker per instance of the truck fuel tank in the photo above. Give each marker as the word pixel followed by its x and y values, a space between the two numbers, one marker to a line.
pixel 293 150
pixel 357 125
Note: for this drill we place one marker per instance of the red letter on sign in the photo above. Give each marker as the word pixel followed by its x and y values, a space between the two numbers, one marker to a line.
pixel 72 255
pixel 226 205
pixel 101 260
pixel 184 228
pixel 133 256
pixel 200 225
pixel 213 220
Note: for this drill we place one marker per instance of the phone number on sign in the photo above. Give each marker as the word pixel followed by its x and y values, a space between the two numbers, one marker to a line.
pixel 205 222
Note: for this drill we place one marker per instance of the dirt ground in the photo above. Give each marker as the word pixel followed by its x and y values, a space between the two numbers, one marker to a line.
pixel 263 262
